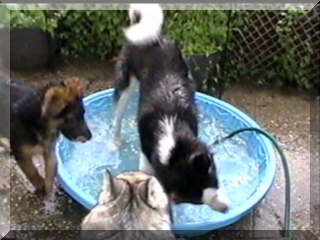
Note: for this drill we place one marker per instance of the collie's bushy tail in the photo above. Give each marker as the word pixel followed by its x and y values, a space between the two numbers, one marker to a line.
pixel 148 27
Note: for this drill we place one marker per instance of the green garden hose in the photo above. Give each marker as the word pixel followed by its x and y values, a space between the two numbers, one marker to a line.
pixel 286 226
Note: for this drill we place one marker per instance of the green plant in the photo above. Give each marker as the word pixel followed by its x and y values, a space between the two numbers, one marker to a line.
pixel 292 65
pixel 97 33
pixel 202 32
pixel 198 31
pixel 45 20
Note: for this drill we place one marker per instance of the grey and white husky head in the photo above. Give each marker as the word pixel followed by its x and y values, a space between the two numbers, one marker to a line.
pixel 130 201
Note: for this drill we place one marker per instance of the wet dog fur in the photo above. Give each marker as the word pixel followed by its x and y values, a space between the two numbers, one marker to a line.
pixel 167 115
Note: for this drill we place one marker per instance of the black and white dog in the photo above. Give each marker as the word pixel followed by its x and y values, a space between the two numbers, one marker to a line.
pixel 167 115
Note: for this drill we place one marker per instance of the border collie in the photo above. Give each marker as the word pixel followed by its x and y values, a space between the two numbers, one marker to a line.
pixel 167 114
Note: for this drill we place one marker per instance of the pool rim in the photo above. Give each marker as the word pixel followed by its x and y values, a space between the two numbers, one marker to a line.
pixel 264 186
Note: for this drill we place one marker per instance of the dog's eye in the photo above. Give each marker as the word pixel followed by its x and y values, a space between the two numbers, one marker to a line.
pixel 69 119
pixel 62 113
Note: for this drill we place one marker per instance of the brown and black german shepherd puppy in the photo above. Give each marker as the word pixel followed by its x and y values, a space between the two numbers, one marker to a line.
pixel 37 117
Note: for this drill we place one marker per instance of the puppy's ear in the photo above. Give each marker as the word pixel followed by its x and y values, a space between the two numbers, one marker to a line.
pixel 201 162
pixel 153 194
pixel 53 102
pixel 111 187
pixel 76 86
pixel 57 98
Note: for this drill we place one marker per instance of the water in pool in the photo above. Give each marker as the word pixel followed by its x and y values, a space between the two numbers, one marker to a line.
pixel 237 171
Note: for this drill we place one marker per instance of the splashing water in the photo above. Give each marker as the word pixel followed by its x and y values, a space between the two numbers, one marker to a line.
pixel 237 170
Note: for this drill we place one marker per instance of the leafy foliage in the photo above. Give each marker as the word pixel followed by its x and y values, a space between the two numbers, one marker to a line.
pixel 291 66
pixel 200 32
pixel 100 32
pixel 292 58
pixel 34 19
pixel 97 33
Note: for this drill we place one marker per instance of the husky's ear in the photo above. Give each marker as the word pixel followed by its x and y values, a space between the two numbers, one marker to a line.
pixel 111 187
pixel 153 194
pixel 53 102
pixel 201 162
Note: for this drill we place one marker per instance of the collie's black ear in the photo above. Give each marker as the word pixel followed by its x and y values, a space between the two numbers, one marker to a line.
pixel 202 162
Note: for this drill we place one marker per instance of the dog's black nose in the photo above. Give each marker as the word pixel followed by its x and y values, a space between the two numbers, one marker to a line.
pixel 86 133
pixel 89 135
pixel 85 137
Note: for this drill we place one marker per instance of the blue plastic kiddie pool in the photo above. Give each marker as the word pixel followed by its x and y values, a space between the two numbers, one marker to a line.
pixel 246 164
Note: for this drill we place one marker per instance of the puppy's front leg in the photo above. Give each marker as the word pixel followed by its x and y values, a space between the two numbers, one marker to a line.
pixel 24 160
pixel 50 171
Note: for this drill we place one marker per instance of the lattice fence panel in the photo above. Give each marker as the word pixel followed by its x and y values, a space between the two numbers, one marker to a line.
pixel 259 41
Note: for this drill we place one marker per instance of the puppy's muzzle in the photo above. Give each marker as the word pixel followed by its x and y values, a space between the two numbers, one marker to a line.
pixel 85 137
pixel 81 139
